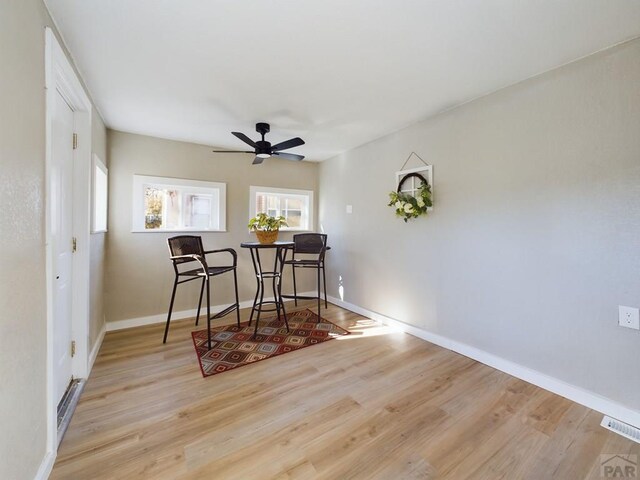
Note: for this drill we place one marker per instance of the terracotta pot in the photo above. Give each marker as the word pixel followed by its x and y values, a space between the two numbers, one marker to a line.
pixel 267 238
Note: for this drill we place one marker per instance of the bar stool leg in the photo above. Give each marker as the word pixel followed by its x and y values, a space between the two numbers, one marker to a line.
pixel 208 313
pixel 235 284
pixel 324 278
pixel 200 301
pixel 173 296
pixel 318 294
pixel 283 259
pixel 295 290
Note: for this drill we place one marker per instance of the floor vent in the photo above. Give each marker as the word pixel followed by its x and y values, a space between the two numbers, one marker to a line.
pixel 67 406
pixel 621 428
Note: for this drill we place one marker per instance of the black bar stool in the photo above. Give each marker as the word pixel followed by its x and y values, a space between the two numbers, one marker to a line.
pixel 186 249
pixel 313 247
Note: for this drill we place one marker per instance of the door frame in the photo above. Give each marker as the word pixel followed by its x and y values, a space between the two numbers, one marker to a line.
pixel 61 77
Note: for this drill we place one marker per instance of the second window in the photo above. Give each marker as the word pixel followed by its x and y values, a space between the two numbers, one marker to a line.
pixel 296 206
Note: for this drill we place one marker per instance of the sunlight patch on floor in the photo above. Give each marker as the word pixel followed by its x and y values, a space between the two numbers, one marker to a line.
pixel 368 328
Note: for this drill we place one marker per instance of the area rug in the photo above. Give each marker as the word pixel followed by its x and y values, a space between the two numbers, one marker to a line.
pixel 232 346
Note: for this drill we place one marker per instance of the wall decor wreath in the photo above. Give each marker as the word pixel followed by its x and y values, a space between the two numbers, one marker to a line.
pixel 409 206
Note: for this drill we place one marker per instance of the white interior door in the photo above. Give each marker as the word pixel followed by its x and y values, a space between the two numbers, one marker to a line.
pixel 61 198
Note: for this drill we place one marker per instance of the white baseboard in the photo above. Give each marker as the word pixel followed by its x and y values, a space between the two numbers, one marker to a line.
pixel 96 348
pixel 149 320
pixel 576 394
pixel 162 317
pixel 46 466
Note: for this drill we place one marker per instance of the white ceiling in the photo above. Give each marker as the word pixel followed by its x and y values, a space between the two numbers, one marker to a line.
pixel 337 73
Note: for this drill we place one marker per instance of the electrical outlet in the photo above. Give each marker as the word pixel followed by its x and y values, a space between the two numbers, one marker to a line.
pixel 349 208
pixel 629 317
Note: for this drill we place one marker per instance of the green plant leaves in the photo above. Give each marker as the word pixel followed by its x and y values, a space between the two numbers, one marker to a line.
pixel 407 206
pixel 267 223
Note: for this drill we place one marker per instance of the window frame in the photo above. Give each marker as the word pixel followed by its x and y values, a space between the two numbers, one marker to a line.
pixel 98 165
pixel 138 210
pixel 254 190
pixel 426 172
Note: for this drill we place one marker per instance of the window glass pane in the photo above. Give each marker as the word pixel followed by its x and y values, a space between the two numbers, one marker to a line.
pixel 261 203
pixel 100 200
pixel 198 208
pixel 272 202
pixel 294 203
pixel 171 217
pixel 153 207
pixel 268 204
pixel 293 207
pixel 294 218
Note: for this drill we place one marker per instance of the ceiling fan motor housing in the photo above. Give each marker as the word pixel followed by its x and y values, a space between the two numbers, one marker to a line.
pixel 263 128
pixel 263 148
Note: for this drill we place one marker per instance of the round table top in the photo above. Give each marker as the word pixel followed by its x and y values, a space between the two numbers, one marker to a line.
pixel 278 244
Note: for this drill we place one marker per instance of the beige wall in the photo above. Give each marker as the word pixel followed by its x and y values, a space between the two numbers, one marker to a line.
pixel 22 282
pixel 97 265
pixel 22 253
pixel 139 274
pixel 534 238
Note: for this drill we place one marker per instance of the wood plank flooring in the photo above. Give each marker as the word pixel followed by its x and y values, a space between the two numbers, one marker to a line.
pixel 376 404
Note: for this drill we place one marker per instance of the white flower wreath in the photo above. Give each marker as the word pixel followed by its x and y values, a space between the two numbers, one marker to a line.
pixel 407 206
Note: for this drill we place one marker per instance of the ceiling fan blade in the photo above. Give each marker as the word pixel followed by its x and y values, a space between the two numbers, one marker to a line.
pixel 245 139
pixel 288 156
pixel 257 161
pixel 294 142
pixel 231 151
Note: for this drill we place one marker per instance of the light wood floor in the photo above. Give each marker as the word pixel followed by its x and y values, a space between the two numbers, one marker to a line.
pixel 376 404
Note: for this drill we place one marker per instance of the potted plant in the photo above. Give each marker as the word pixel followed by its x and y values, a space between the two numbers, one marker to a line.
pixel 267 227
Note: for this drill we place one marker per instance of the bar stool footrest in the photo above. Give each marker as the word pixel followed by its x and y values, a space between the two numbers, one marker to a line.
pixel 302 297
pixel 226 311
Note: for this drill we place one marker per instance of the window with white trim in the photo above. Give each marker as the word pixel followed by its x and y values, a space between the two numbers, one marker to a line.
pixel 162 204
pixel 100 196
pixel 296 206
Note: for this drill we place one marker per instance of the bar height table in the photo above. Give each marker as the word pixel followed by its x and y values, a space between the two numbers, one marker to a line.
pixel 275 275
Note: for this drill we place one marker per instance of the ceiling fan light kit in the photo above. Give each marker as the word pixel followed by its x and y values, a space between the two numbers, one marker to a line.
pixel 263 149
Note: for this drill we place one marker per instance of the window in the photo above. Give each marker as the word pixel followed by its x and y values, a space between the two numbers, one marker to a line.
pixel 100 192
pixel 173 204
pixel 412 184
pixel 294 205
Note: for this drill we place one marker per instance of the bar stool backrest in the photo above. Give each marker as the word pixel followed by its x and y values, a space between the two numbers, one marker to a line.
pixel 310 243
pixel 185 245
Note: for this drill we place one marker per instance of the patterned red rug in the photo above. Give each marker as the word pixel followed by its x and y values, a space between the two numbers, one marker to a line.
pixel 233 347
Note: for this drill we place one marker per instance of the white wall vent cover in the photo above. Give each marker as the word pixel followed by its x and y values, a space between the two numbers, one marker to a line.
pixel 621 428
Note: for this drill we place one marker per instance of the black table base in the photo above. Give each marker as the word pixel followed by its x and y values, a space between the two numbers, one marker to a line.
pixel 263 277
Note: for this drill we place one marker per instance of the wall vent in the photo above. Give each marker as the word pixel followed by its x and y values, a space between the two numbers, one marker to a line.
pixel 621 428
